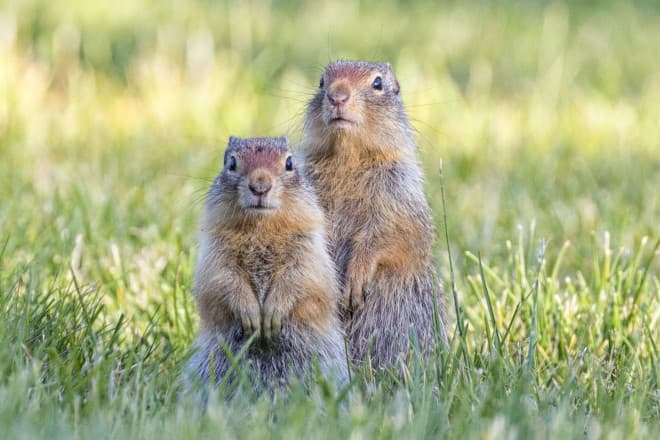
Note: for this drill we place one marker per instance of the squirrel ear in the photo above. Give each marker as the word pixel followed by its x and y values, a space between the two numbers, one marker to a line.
pixel 233 143
pixel 395 86
pixel 285 140
pixel 230 142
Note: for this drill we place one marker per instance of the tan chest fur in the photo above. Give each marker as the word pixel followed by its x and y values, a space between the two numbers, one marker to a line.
pixel 260 257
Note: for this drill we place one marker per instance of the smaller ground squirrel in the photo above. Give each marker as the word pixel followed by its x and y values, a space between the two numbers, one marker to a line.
pixel 362 158
pixel 263 267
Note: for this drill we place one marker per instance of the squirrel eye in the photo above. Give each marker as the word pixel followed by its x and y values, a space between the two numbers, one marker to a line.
pixel 232 163
pixel 378 83
pixel 289 164
pixel 321 83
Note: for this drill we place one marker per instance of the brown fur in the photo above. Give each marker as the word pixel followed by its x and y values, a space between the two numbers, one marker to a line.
pixel 263 268
pixel 361 156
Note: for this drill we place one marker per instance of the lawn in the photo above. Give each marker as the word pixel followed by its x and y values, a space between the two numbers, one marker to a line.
pixel 540 122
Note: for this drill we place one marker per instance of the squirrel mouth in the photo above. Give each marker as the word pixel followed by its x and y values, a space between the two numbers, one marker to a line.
pixel 260 209
pixel 338 117
pixel 341 122
pixel 260 206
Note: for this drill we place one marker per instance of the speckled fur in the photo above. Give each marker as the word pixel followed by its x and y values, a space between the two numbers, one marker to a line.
pixel 265 271
pixel 381 229
pixel 275 363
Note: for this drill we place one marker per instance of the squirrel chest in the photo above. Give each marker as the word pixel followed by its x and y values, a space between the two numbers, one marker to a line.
pixel 263 259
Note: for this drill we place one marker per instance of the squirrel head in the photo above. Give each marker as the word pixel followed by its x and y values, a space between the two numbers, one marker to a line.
pixel 257 175
pixel 358 100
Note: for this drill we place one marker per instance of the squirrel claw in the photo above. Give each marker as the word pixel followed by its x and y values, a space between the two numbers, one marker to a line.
pixel 354 295
pixel 250 323
pixel 272 322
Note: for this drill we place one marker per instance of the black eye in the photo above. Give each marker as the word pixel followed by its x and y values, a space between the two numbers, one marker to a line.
pixel 289 164
pixel 378 83
pixel 232 163
pixel 321 83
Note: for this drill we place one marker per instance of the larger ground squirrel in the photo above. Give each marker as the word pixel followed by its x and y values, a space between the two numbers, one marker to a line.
pixel 263 267
pixel 361 156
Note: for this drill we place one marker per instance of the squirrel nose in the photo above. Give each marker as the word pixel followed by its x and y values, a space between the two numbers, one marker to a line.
pixel 338 97
pixel 260 187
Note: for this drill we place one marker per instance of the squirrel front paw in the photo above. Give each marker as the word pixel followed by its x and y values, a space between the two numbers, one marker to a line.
pixel 251 319
pixel 353 297
pixel 272 320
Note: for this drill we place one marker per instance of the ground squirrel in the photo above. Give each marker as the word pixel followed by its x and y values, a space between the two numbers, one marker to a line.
pixel 361 156
pixel 263 267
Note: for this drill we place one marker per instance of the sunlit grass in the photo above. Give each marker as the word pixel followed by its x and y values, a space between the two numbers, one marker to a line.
pixel 113 118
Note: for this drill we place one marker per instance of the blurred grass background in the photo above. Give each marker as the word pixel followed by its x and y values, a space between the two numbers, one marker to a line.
pixel 114 116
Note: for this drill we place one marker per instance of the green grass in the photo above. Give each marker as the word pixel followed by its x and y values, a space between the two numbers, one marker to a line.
pixel 113 118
